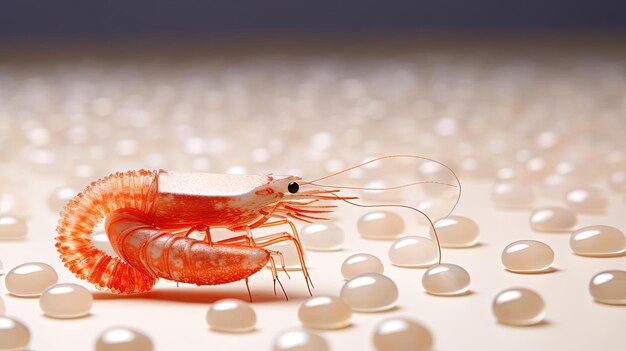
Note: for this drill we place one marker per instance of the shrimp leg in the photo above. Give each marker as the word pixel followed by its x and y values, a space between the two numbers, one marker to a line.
pixel 201 228
pixel 296 241
pixel 271 239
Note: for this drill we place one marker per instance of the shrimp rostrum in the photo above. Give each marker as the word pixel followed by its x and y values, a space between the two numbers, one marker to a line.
pixel 149 216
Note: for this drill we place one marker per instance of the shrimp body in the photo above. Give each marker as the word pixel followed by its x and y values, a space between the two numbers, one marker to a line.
pixel 179 258
pixel 149 215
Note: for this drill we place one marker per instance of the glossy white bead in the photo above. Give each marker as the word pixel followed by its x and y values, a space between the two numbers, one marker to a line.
pixel 519 307
pixel 12 227
pixel 527 256
pixel 552 219
pixel 435 208
pixel 123 339
pixel 66 300
pixel 231 315
pixel 370 292
pixel 326 236
pixel 60 197
pixel 14 335
pixel 298 339
pixel 30 279
pixel 617 181
pixel 586 200
pixel 401 334
pixel 12 204
pixel 361 263
pixel 598 240
pixel 289 253
pixel 609 287
pixel 381 225
pixel 556 186
pixel 456 232
pixel 373 194
pixel 3 308
pixel 325 312
pixel 512 194
pixel 446 279
pixel 413 251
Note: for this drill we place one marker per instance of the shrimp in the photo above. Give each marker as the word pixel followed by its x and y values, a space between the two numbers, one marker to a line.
pixel 149 216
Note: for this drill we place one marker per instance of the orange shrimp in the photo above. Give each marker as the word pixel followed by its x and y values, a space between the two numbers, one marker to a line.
pixel 150 214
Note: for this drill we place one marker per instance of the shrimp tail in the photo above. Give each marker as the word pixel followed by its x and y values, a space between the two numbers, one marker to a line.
pixel 134 190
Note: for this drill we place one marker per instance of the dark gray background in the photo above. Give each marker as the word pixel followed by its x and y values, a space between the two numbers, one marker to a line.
pixel 45 19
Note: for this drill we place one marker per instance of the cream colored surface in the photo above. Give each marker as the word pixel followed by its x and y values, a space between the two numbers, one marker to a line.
pixel 315 113
pixel 174 316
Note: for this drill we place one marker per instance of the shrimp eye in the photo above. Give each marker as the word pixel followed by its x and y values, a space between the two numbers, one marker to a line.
pixel 293 187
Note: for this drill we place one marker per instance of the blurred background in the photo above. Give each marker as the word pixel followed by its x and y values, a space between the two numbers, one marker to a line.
pixel 305 69
pixel 525 100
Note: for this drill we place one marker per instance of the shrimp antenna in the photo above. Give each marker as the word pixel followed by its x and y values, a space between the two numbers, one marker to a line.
pixel 432 225
pixel 456 202
pixel 379 188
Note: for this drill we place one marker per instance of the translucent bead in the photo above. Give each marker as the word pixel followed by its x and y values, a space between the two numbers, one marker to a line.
pixel 434 208
pixel 511 193
pixel 518 306
pixel 81 175
pixel 13 334
pixel 527 256
pixel 536 167
pixel 231 315
pixel 598 240
pixel 12 204
pixel 381 195
pixel 123 339
pixel 30 279
pixel 325 236
pixel 552 219
pixel 555 186
pixel 66 301
pixel 617 181
pixel 12 227
pixel 456 231
pixel 609 287
pixel 298 339
pixel 290 255
pixel 382 225
pixel 586 200
pixel 402 334
pixel 446 279
pixel 413 251
pixel 60 197
pixel 509 173
pixel 361 263
pixel 101 241
pixel 370 292
pixel 325 312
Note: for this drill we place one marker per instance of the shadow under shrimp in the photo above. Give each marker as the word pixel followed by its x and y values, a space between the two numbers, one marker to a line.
pixel 200 295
